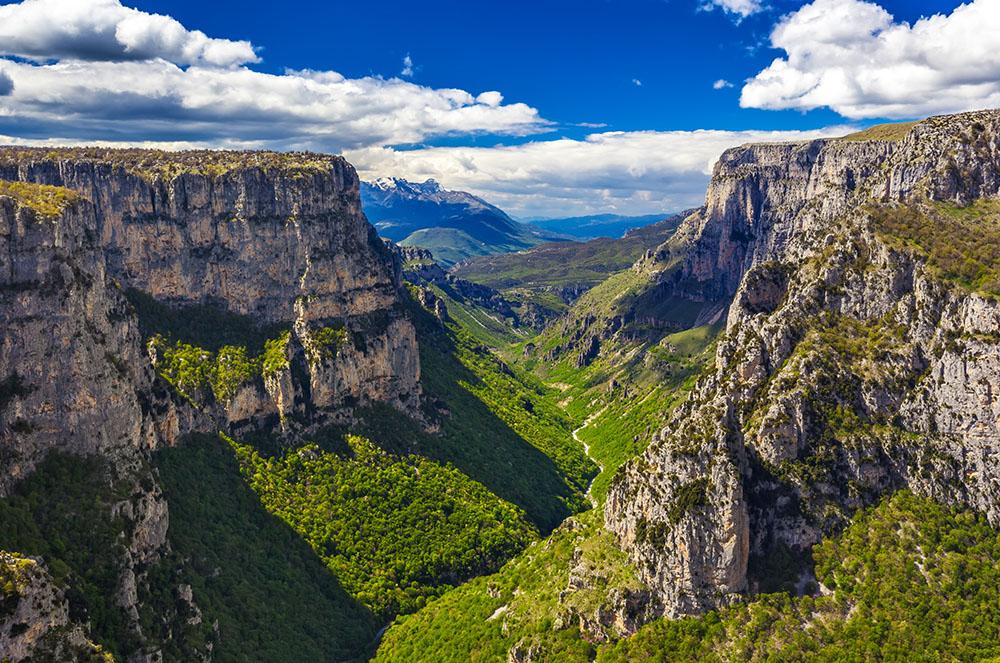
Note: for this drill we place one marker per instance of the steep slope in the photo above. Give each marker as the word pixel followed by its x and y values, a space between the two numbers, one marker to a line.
pixel 77 383
pixel 859 356
pixel 545 280
pixel 909 580
pixel 455 225
pixel 154 299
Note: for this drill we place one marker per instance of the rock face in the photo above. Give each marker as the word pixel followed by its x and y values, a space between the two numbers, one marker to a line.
pixel 277 238
pixel 851 367
pixel 77 378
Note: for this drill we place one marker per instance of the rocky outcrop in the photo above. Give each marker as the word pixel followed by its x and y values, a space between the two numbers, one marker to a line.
pixel 762 198
pixel 35 622
pixel 850 368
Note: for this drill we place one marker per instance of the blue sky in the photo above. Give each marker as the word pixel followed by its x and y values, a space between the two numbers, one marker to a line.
pixel 544 107
pixel 574 61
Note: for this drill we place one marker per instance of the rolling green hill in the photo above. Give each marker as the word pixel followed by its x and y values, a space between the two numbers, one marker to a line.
pixel 552 276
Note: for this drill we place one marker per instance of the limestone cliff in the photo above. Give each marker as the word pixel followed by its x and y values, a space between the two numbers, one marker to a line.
pixel 860 356
pixel 76 376
pixel 279 238
pixel 76 379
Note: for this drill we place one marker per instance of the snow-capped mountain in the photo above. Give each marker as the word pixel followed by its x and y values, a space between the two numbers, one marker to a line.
pixel 454 225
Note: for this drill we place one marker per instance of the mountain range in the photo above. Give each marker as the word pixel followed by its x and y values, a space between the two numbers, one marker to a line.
pixel 454 225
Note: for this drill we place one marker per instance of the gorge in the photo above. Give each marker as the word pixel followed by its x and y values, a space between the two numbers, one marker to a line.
pixel 237 425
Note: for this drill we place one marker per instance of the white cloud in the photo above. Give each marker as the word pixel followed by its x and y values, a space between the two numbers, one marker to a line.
pixel 407 66
pixel 321 110
pixel 627 172
pixel 115 76
pixel 741 8
pixel 636 82
pixel 721 84
pixel 853 57
pixel 491 98
pixel 105 30
pixel 96 70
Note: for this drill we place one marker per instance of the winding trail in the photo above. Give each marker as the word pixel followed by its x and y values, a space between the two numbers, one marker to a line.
pixel 586 450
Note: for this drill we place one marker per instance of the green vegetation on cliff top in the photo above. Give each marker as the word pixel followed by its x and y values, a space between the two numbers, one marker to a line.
pixel 893 131
pixel 47 201
pixel 154 164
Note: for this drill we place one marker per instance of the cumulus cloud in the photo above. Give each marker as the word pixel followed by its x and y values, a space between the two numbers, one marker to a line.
pixel 407 66
pixel 853 57
pixel 721 84
pixel 105 30
pixel 320 110
pixel 741 8
pixel 636 82
pixel 115 76
pixel 628 172
pixel 491 98
pixel 94 70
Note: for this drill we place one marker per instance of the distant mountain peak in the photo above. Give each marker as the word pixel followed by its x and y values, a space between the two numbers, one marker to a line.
pixel 386 183
pixel 399 185
pixel 454 224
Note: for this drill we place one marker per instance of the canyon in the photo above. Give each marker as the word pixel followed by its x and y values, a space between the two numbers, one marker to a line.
pixel 672 442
